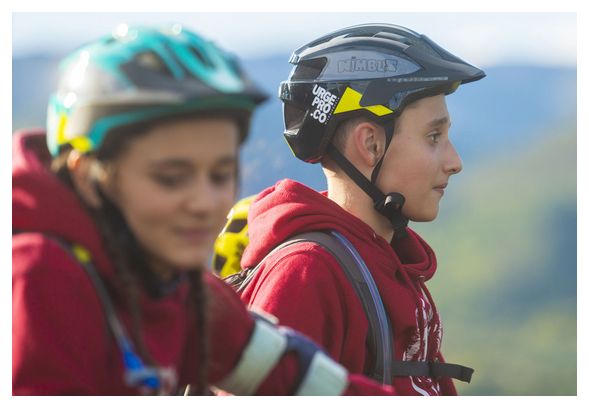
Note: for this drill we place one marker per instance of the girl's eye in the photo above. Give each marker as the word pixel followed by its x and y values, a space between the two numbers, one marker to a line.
pixel 221 178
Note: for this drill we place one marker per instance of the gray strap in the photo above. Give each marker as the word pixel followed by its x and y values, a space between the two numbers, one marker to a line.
pixel 380 335
pixel 379 338
pixel 359 275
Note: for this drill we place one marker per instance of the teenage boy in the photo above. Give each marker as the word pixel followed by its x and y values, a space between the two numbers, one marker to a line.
pixel 368 103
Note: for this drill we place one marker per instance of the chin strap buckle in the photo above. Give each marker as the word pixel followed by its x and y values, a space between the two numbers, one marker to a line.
pixel 391 207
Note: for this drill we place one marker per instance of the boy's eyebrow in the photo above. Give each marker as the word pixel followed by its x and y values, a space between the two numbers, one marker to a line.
pixel 439 122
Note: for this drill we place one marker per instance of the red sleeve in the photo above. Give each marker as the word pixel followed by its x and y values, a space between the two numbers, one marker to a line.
pixel 46 358
pixel 231 326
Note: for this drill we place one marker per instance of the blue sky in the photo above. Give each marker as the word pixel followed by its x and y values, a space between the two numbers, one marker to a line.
pixel 484 38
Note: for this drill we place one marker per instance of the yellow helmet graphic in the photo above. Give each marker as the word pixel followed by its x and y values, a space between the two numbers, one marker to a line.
pixel 232 240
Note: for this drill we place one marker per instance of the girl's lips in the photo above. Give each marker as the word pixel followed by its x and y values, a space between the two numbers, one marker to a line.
pixel 195 234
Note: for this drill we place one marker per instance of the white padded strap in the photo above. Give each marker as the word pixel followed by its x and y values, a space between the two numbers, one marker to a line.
pixel 324 377
pixel 262 353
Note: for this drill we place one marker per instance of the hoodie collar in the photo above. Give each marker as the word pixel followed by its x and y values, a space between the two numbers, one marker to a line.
pixel 289 208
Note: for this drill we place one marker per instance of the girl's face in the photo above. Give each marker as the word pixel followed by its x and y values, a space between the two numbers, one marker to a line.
pixel 174 186
pixel 421 158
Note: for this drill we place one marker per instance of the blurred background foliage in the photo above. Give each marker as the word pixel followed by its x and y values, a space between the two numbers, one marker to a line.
pixel 506 282
pixel 506 234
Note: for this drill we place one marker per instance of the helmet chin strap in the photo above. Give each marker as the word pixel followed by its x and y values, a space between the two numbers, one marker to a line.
pixel 393 203
pixel 390 205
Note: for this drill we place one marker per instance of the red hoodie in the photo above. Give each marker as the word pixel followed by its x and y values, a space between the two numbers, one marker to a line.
pixel 306 289
pixel 60 341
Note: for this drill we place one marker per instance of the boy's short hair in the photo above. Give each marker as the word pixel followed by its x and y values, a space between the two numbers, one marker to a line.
pixel 343 130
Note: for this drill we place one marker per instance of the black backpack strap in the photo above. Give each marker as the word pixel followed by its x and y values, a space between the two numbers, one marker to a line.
pixel 432 369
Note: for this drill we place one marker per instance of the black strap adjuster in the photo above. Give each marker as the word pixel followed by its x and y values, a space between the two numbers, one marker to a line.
pixel 432 369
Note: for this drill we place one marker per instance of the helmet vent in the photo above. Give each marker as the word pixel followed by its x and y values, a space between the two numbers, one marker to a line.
pixel 309 70
pixel 293 116
pixel 201 57
pixel 394 37
pixel 357 35
pixel 236 225
pixel 220 261
pixel 154 62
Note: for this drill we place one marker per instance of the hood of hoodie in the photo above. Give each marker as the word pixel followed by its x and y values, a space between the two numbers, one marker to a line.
pixel 42 203
pixel 289 208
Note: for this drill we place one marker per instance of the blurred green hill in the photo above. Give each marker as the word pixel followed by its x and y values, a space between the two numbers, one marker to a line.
pixel 506 281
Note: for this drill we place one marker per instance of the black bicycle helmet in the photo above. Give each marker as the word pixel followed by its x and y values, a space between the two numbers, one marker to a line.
pixel 373 70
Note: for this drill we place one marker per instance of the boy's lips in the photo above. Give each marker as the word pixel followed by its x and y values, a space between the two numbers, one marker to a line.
pixel 440 188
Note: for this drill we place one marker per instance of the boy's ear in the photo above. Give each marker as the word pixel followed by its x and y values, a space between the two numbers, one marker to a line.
pixel 81 171
pixel 368 141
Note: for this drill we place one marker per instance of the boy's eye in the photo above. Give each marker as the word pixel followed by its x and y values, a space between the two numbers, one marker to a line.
pixel 435 137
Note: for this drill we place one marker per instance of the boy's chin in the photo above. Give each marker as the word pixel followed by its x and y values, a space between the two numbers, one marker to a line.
pixel 423 217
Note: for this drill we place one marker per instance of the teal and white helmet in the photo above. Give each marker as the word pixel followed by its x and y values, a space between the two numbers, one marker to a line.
pixel 139 74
